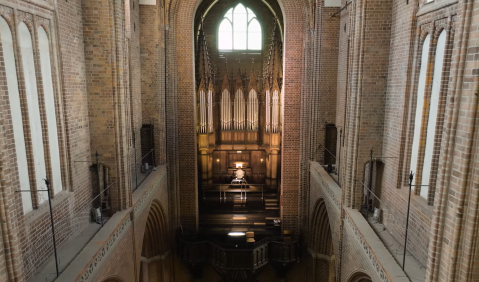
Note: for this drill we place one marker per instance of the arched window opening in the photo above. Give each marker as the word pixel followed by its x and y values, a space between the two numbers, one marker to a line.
pixel 49 99
pixel 433 115
pixel 239 30
pixel 16 112
pixel 31 91
pixel 428 116
pixel 419 104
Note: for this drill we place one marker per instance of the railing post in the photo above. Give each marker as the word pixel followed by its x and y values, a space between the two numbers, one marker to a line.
pixel 411 177
pixel 47 183
pixel 370 183
pixel 99 186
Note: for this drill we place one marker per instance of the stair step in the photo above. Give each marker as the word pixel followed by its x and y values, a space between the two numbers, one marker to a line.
pixel 270 200
pixel 272 208
pixel 271 204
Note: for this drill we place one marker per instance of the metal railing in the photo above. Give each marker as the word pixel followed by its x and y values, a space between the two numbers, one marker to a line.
pixel 140 168
pixel 223 189
pixel 63 233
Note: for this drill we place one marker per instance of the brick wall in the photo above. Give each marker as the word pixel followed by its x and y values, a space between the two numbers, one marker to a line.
pixel 28 237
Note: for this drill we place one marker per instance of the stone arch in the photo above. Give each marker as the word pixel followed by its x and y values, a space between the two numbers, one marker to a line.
pixel 182 94
pixel 321 244
pixel 359 277
pixel 155 256
pixel 156 230
pixel 113 279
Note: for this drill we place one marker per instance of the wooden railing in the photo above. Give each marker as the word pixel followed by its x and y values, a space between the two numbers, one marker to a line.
pixel 243 258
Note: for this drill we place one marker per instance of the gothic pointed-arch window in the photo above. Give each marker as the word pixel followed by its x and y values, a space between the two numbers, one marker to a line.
pixel 429 115
pixel 239 30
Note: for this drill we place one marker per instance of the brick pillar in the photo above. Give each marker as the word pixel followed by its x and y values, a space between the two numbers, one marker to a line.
pixel 370 44
pixel 105 42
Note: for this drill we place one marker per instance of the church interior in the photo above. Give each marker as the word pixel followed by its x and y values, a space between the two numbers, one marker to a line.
pixel 239 140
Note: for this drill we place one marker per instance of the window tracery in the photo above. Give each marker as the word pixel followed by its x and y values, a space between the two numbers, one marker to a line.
pixel 239 30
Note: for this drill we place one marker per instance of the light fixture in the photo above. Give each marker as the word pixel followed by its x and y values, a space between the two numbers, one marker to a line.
pixel 239 165
pixel 236 234
pixel 239 152
pixel 217 160
pixel 262 160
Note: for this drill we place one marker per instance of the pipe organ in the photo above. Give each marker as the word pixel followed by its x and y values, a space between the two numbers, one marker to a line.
pixel 241 126
pixel 239 129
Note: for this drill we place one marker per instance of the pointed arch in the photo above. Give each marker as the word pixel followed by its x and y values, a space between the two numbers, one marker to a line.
pixel 321 243
pixel 33 107
pixel 359 277
pixel 113 279
pixel 16 112
pixel 155 238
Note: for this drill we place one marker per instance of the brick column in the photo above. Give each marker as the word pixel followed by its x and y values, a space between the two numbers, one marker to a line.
pixel 104 30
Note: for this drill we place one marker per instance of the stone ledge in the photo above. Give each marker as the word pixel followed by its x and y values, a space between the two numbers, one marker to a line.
pixel 84 267
pixel 330 188
pixel 379 257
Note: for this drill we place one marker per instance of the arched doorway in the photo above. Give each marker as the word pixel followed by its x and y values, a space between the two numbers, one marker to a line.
pixel 155 254
pixel 360 277
pixel 321 245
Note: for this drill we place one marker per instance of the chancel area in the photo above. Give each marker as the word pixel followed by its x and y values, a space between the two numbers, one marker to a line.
pixel 239 112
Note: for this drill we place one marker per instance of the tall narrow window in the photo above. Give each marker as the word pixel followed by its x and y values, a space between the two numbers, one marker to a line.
pixel 225 35
pixel 420 104
pixel 49 98
pixel 16 113
pixel 254 35
pixel 239 30
pixel 34 117
pixel 433 114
